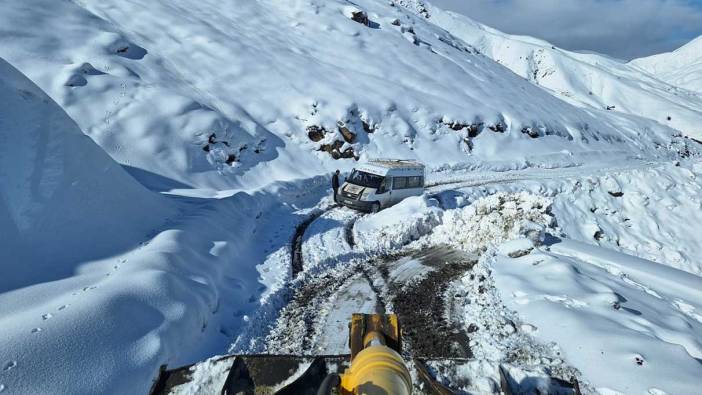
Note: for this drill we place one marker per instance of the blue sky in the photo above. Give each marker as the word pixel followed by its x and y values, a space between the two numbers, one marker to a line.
pixel 624 29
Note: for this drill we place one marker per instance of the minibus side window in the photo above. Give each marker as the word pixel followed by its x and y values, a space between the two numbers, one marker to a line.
pixel 415 182
pixel 399 183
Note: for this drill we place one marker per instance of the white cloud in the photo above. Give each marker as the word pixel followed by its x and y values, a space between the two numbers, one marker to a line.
pixel 621 28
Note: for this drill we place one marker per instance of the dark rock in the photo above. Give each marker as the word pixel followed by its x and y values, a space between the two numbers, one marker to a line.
pixel 368 128
pixel 395 22
pixel 349 136
pixel 531 132
pixel 231 159
pixel 498 127
pixel 316 133
pixel 598 235
pixel 616 194
pixel 360 17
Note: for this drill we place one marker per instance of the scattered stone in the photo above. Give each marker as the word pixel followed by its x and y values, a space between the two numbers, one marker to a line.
pixel 499 127
pixel 368 128
pixel 316 133
pixel 334 149
pixel 360 17
pixel 599 235
pixel 616 194
pixel 395 22
pixel 531 132
pixel 348 135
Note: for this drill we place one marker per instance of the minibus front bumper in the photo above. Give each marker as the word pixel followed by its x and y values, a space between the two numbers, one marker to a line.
pixel 355 204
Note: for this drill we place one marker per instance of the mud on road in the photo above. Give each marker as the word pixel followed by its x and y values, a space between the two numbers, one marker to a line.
pixel 423 305
pixel 413 285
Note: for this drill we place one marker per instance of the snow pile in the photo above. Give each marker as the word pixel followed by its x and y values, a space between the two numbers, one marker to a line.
pixel 499 338
pixel 682 67
pixel 493 219
pixel 398 225
pixel 629 325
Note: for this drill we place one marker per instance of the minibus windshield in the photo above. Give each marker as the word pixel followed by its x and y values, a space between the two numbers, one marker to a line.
pixel 365 179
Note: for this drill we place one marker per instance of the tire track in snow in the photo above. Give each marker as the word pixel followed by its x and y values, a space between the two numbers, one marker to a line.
pixel 296 260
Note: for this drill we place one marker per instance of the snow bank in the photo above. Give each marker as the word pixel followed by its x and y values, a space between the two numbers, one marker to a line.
pixel 490 220
pixel 630 326
pixel 59 191
pixel 398 225
pixel 650 210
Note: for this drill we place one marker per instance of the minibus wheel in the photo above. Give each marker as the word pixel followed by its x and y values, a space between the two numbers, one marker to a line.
pixel 375 207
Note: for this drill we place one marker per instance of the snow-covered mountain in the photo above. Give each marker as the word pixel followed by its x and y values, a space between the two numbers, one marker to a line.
pixel 227 97
pixel 583 79
pixel 682 67
pixel 162 233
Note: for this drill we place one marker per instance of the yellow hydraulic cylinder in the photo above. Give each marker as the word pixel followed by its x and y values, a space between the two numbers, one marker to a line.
pixel 377 370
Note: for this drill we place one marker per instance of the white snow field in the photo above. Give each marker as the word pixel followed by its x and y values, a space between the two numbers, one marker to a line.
pixel 156 158
pixel 671 96
pixel 682 67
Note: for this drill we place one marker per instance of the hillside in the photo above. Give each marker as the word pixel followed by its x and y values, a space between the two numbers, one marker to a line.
pixel 165 197
pixel 258 77
pixel 59 190
pixel 682 67
pixel 583 79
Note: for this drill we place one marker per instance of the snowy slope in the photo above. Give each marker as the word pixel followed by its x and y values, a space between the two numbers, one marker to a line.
pixel 59 190
pixel 585 80
pixel 168 74
pixel 228 110
pixel 682 67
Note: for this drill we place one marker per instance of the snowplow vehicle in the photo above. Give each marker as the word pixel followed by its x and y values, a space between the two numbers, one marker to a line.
pixel 375 366
pixel 381 183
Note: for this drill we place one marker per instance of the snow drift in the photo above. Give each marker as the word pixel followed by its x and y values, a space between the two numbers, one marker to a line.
pixel 59 191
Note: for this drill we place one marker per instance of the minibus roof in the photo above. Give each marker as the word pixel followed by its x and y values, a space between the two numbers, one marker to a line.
pixel 384 167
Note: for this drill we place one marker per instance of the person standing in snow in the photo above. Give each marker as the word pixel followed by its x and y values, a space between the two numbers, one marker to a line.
pixel 335 184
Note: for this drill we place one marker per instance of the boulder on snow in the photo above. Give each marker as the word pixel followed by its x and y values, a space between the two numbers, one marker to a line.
pixel 516 248
pixel 336 150
pixel 316 133
pixel 349 136
pixel 360 17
